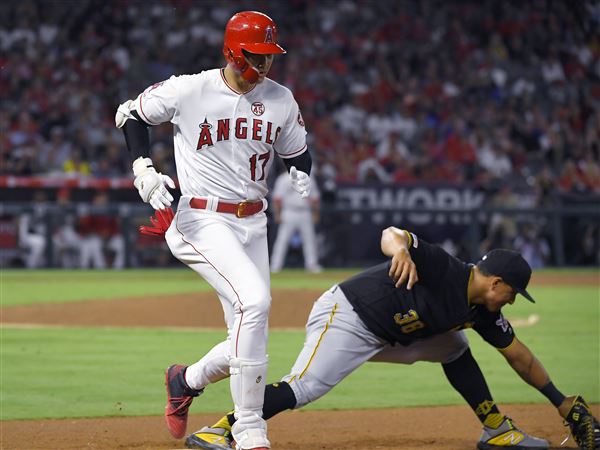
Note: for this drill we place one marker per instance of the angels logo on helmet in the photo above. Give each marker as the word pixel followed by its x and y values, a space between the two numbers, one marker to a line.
pixel 269 35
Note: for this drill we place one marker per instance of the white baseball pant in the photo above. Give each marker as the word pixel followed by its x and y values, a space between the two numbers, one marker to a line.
pixel 231 254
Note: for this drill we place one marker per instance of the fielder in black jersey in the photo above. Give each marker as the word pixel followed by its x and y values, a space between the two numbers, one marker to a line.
pixel 441 300
pixel 413 308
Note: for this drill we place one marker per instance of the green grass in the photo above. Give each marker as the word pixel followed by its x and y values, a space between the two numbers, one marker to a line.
pixel 79 372
pixel 22 287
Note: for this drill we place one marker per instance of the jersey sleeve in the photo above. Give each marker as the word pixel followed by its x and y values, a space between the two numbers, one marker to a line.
pixel 291 141
pixel 495 330
pixel 158 103
pixel 432 261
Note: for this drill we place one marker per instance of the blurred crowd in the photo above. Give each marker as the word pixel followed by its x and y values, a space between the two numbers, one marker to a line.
pixel 480 92
pixel 391 91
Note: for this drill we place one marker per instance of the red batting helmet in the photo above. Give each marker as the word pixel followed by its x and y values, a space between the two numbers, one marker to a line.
pixel 252 31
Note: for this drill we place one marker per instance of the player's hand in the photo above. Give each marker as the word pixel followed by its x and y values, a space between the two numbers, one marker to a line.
pixel 151 184
pixel 403 269
pixel 300 182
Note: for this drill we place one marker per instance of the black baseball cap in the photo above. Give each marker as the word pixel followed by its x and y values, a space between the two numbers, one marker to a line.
pixel 511 267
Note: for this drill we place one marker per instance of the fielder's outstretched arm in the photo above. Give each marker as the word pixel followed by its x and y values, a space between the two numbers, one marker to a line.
pixel 531 370
pixel 584 427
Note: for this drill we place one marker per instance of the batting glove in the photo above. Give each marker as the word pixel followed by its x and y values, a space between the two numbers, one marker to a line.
pixel 160 223
pixel 300 182
pixel 151 184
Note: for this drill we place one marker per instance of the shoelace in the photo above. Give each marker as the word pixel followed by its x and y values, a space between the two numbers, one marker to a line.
pixel 181 409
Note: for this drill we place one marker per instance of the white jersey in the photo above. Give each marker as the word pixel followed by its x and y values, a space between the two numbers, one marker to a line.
pixel 224 140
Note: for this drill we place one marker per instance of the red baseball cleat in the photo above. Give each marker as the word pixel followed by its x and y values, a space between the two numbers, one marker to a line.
pixel 179 399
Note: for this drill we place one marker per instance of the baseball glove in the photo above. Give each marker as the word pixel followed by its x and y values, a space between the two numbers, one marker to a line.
pixel 584 427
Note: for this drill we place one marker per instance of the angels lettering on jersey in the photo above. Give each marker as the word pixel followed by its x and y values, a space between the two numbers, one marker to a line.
pixel 242 128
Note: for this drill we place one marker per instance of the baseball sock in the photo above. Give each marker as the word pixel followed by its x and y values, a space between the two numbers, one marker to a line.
pixel 465 376
pixel 278 397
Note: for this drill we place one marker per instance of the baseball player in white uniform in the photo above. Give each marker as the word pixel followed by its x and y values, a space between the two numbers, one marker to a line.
pixel 294 213
pixel 228 124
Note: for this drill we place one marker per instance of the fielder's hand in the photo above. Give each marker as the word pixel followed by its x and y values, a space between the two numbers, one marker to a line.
pixel 403 269
pixel 584 427
pixel 300 181
pixel 151 184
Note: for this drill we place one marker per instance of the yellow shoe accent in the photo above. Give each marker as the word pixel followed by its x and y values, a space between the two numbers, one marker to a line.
pixel 212 438
pixel 493 420
pixel 509 438
pixel 223 422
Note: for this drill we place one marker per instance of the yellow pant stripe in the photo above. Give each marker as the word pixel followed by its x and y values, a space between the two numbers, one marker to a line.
pixel 320 339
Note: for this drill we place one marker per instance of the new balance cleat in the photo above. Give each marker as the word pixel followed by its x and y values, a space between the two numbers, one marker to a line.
pixel 508 437
pixel 209 438
pixel 179 399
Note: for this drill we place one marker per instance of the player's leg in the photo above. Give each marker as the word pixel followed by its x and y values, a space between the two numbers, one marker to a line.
pixel 214 366
pixel 337 342
pixel 249 368
pixel 499 432
pixel 96 251
pixel 439 348
pixel 309 241
pixel 282 241
pixel 452 350
pixel 36 243
pixel 116 244
pixel 223 252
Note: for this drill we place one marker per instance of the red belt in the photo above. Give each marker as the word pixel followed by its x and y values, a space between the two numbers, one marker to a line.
pixel 242 209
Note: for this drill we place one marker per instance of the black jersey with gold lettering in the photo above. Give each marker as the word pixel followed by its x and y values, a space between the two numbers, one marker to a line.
pixel 436 303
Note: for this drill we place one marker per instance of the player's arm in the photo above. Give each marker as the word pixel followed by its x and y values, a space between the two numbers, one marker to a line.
pixel 498 332
pixel 299 169
pixel 291 148
pixel 395 243
pixel 150 184
pixel 524 362
pixel 531 370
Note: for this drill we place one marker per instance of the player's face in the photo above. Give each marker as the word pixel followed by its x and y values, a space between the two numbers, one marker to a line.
pixel 262 63
pixel 499 295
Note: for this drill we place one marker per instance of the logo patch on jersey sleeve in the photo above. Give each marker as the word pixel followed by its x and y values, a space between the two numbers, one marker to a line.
pixel 148 92
pixel 258 109
pixel 503 323
pixel 300 119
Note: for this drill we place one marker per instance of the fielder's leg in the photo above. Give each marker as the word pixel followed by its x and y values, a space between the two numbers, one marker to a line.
pixel 499 432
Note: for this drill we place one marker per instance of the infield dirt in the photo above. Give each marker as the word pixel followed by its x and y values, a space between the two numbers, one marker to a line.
pixel 433 428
